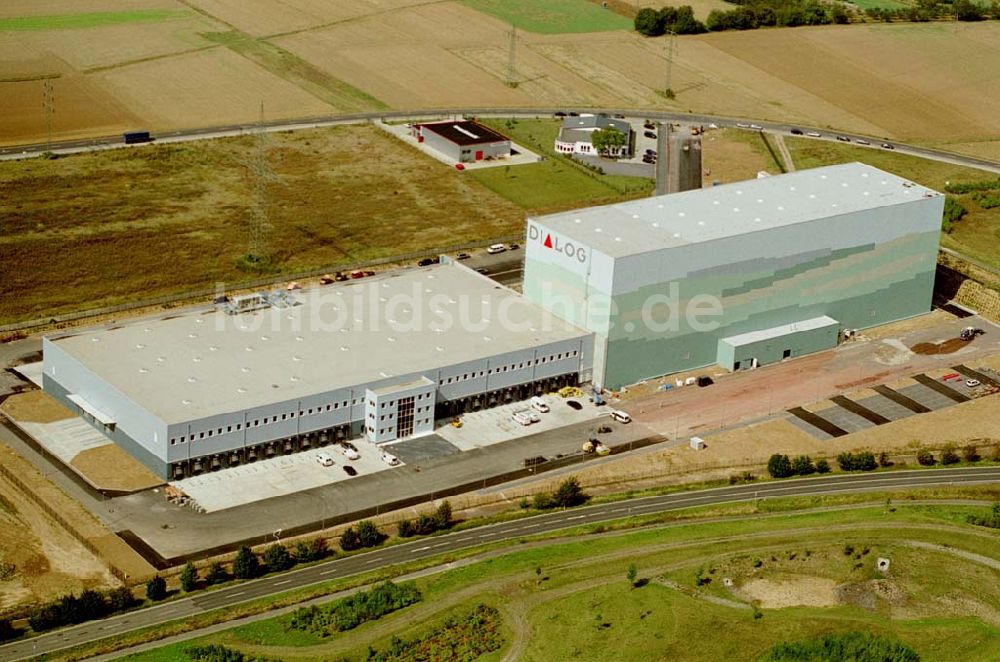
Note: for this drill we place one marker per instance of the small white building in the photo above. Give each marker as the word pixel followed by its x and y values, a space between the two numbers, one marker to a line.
pixel 576 134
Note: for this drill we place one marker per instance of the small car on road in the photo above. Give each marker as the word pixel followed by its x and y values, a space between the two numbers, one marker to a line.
pixel 972 383
pixel 324 460
pixel 573 404
pixel 540 405
pixel 390 459
pixel 349 470
pixel 496 248
pixel 350 453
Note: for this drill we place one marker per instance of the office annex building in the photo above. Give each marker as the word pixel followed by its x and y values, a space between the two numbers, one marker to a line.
pixel 768 269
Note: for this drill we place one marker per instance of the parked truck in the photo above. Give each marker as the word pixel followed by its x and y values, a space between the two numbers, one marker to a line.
pixel 970 332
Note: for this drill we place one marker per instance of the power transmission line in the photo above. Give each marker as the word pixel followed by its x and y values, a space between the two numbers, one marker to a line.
pixel 261 174
pixel 669 89
pixel 512 57
pixel 48 109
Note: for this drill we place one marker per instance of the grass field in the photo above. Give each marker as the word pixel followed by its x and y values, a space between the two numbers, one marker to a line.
pixel 89 20
pixel 880 4
pixel 555 183
pixel 101 228
pixel 110 227
pixel 570 599
pixel 553 16
pixel 976 235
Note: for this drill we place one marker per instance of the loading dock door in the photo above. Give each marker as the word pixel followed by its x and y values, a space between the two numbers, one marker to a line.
pixel 479 155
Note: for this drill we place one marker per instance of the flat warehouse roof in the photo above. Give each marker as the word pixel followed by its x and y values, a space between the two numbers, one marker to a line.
pixel 465 132
pixel 680 219
pixel 751 337
pixel 203 363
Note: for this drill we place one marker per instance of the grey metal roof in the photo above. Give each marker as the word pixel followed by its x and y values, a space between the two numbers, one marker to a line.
pixel 780 331
pixel 679 219
pixel 188 366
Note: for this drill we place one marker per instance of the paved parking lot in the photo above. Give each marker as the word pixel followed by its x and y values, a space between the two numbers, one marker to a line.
pixel 943 393
pixel 492 426
pixel 278 476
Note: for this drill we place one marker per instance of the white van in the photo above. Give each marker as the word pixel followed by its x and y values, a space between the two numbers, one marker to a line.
pixel 620 416
pixel 496 248
pixel 525 417
pixel 324 460
pixel 538 404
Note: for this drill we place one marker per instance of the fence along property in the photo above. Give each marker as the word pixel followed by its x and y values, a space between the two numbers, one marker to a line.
pixel 128 567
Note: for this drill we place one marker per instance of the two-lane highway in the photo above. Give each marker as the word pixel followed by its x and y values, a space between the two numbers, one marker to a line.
pixel 452 542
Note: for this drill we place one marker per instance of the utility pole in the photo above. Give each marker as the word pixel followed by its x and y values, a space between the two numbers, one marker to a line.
pixel 260 218
pixel 669 89
pixel 48 109
pixel 512 57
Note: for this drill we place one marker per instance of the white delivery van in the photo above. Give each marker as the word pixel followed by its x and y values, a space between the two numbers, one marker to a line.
pixel 539 404
pixel 620 416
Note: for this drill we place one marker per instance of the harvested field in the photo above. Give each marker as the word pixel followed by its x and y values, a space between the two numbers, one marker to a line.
pixel 404 58
pixel 34 407
pixel 791 592
pixel 905 79
pixel 15 8
pixel 89 110
pixel 109 46
pixel 205 88
pixel 132 224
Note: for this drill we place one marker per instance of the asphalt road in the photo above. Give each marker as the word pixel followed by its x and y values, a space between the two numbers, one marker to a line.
pixel 428 547
pixel 112 142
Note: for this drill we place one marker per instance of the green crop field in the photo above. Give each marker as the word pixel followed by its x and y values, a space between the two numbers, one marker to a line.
pixel 89 19
pixel 553 16
pixel 807 573
pixel 976 235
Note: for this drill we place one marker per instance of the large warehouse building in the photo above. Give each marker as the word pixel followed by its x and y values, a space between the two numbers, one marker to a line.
pixel 382 358
pixel 737 275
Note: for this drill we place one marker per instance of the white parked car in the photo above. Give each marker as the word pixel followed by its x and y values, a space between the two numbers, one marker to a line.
pixel 496 248
pixel 390 459
pixel 620 416
pixel 539 404
pixel 324 460
pixel 525 417
pixel 972 383
pixel 350 453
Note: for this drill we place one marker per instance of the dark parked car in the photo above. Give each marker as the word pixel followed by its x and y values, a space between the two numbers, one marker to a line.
pixel 705 380
pixel 350 471
pixel 649 134
pixel 649 125
pixel 651 152
pixel 843 139
pixel 888 146
pixel 573 404
pixel 513 247
pixel 559 113
pixel 796 132
pixel 462 256
pixel 426 262
pixel 573 113
pixel 483 270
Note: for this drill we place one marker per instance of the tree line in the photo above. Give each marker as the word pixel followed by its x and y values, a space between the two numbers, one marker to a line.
pixel 754 14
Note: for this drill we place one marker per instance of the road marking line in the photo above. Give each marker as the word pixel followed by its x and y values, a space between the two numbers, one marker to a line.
pixel 327 572
pixel 287 581
pixel 420 549
pixel 530 526
pixel 233 595
pixel 577 517
pixel 440 544
pixel 370 561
